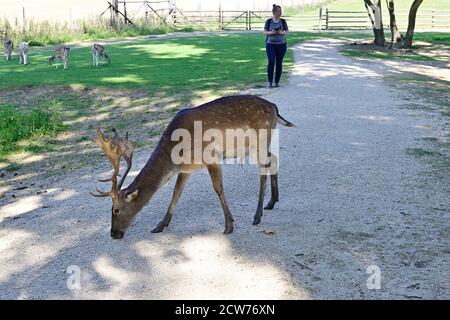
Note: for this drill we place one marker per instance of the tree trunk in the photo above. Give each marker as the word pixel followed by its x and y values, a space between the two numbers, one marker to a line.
pixel 411 23
pixel 373 8
pixel 395 34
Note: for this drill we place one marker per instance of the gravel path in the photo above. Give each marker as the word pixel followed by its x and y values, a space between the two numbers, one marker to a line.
pixel 351 197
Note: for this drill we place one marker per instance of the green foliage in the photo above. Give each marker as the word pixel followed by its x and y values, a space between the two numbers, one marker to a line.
pixel 15 125
pixel 45 32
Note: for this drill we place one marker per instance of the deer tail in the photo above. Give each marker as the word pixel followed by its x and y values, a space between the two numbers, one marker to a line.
pixel 282 120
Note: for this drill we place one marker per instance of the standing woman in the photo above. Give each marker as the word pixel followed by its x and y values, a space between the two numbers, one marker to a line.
pixel 275 29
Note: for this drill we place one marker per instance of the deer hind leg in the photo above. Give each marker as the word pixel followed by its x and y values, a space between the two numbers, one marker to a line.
pixel 179 186
pixel 215 171
pixel 273 181
pixel 262 190
pixel 266 165
pixel 64 60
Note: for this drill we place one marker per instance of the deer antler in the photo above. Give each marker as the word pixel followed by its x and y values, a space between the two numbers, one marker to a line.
pixel 127 154
pixel 114 148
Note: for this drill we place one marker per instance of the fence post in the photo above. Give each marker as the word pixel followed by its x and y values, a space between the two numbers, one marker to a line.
pixel 326 19
pixel 125 10
pixel 246 20
pixel 24 21
pixel 115 13
pixel 320 19
pixel 249 20
pixel 220 14
pixel 221 20
pixel 432 17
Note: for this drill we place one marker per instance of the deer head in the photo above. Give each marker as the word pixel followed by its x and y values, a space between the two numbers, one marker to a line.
pixel 124 202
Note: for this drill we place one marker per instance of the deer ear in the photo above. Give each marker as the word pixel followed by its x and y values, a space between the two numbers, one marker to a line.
pixel 130 197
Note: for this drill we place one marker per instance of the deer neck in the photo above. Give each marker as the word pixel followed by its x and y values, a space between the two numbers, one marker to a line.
pixel 156 173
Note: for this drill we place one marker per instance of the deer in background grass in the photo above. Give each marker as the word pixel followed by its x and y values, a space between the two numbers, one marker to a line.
pixel 9 46
pixel 61 53
pixel 99 51
pixel 23 52
pixel 234 112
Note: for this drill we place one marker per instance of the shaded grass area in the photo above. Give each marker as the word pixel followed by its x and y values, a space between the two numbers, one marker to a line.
pixel 16 125
pixel 69 147
pixel 393 55
pixel 427 47
pixel 431 37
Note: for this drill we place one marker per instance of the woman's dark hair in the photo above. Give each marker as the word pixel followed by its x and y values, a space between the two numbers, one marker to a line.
pixel 276 7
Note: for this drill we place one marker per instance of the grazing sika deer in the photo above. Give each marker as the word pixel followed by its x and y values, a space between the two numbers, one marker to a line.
pixel 9 46
pixel 61 53
pixel 99 50
pixel 23 52
pixel 235 113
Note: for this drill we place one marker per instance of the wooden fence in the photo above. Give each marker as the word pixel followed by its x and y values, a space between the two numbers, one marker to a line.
pixel 347 20
pixel 324 19
pixel 240 20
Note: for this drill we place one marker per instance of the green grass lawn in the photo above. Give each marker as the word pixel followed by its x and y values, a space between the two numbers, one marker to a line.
pixel 171 64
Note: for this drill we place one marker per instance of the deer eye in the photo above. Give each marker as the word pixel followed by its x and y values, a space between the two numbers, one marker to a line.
pixel 116 211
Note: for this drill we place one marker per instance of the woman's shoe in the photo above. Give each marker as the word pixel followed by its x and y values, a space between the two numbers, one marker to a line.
pixel 277 85
pixel 270 85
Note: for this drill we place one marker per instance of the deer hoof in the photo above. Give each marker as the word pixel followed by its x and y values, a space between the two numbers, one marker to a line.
pixel 159 228
pixel 270 205
pixel 228 229
pixel 256 221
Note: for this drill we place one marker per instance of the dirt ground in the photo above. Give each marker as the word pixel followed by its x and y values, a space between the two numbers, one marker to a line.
pixel 364 185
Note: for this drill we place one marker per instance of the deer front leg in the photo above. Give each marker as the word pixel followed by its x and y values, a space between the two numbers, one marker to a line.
pixel 215 171
pixel 274 189
pixel 262 190
pixel 65 62
pixel 179 186
pixel 273 182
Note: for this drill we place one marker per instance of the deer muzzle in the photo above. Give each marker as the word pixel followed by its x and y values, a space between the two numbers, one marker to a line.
pixel 117 234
